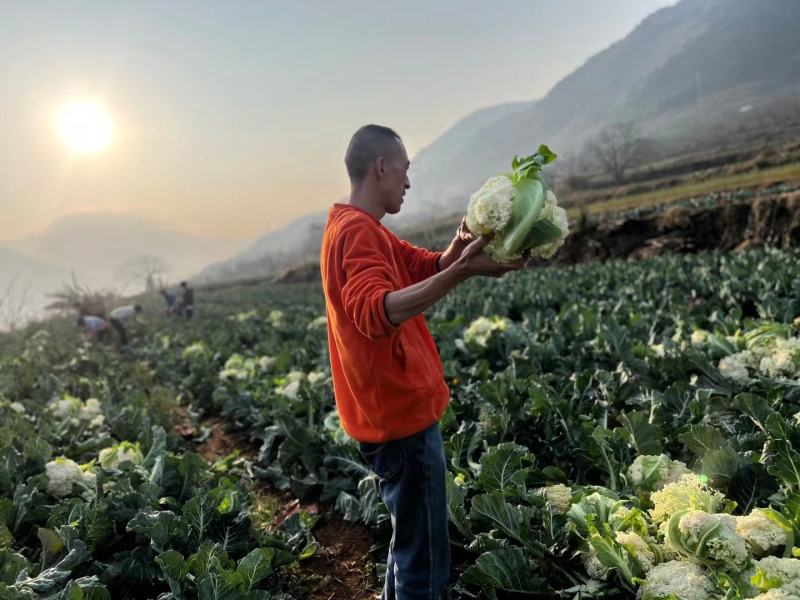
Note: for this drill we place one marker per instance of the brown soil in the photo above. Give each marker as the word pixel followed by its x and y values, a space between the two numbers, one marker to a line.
pixel 338 570
pixel 773 221
pixel 221 443
pixel 339 566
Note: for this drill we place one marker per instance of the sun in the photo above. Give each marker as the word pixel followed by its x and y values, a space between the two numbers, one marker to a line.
pixel 84 127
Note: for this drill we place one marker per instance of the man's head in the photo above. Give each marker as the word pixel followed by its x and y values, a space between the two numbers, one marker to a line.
pixel 80 322
pixel 377 164
pixel 183 284
pixel 137 308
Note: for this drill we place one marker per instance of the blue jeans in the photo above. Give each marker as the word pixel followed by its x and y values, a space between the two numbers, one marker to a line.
pixel 411 472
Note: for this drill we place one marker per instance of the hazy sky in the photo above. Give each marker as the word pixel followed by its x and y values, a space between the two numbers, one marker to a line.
pixel 231 117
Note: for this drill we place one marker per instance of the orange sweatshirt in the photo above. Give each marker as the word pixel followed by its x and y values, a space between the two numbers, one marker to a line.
pixel 388 380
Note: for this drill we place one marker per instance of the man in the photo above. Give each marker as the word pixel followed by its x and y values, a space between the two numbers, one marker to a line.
pixel 387 375
pixel 170 299
pixel 120 314
pixel 94 328
pixel 187 301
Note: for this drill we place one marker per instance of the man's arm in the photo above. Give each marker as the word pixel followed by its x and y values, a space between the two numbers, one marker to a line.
pixel 415 299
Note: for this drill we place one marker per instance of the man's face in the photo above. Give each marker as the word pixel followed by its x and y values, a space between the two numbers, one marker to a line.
pixel 394 182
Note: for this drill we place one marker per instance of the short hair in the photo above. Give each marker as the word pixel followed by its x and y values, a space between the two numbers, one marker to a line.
pixel 183 284
pixel 366 145
pixel 137 308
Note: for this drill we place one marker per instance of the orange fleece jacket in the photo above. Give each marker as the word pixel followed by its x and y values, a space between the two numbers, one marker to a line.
pixel 388 380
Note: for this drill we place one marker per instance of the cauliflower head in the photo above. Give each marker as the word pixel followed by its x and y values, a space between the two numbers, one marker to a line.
pixel 690 492
pixel 679 580
pixel 707 539
pixel 489 208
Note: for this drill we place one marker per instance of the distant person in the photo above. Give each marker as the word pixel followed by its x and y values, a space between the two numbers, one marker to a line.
pixel 171 300
pixel 187 301
pixel 94 328
pixel 121 314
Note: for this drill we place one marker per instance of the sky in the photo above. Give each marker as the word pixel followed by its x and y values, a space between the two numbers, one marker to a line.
pixel 230 118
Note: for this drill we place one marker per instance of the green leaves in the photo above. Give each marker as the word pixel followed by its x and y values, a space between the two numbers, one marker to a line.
pixel 255 567
pixel 513 521
pixel 198 513
pixel 506 570
pixel 530 166
pixel 504 468
pixel 214 576
pixel 456 510
pixel 783 462
pixel 642 436
pixel 160 526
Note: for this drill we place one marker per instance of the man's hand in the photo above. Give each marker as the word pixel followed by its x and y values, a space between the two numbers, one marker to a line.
pixel 474 261
pixel 460 241
pixel 463 234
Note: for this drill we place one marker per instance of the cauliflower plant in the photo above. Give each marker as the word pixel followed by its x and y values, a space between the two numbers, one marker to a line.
pixel 764 530
pixel 707 539
pixel 559 497
pixel 734 367
pixel 520 211
pixel 690 492
pixel 592 564
pixel 276 318
pixel 678 580
pixel 194 352
pixel 320 322
pixel 316 377
pixel 67 407
pixel 481 329
pixel 637 548
pixel 782 359
pixel 62 473
pixel 115 456
pixel 778 573
pixel 91 409
pixel 291 388
pixel 652 472
pixel 699 338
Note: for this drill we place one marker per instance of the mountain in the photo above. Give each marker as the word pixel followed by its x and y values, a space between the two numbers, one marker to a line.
pixel 690 76
pixel 296 243
pixel 96 245
pixel 24 284
pixel 687 74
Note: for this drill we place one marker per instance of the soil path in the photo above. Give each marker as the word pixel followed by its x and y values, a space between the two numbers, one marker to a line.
pixel 339 569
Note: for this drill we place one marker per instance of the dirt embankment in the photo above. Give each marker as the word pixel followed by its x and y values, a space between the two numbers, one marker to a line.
pixel 768 221
pixel 773 221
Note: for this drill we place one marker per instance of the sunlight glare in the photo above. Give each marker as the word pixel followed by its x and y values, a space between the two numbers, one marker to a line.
pixel 84 127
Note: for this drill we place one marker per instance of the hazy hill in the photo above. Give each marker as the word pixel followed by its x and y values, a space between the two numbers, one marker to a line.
pixel 95 246
pixel 690 76
pixel 24 283
pixel 687 75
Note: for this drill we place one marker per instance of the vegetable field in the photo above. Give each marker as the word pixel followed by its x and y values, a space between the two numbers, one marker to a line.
pixel 614 429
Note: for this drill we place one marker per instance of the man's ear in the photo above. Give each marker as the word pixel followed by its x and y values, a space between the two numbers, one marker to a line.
pixel 379 166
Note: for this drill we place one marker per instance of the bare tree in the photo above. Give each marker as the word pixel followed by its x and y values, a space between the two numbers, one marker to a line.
pixel 15 303
pixel 77 298
pixel 148 270
pixel 617 148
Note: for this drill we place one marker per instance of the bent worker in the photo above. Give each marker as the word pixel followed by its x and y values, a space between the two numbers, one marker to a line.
pixel 170 299
pixel 121 314
pixel 94 328
pixel 387 375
